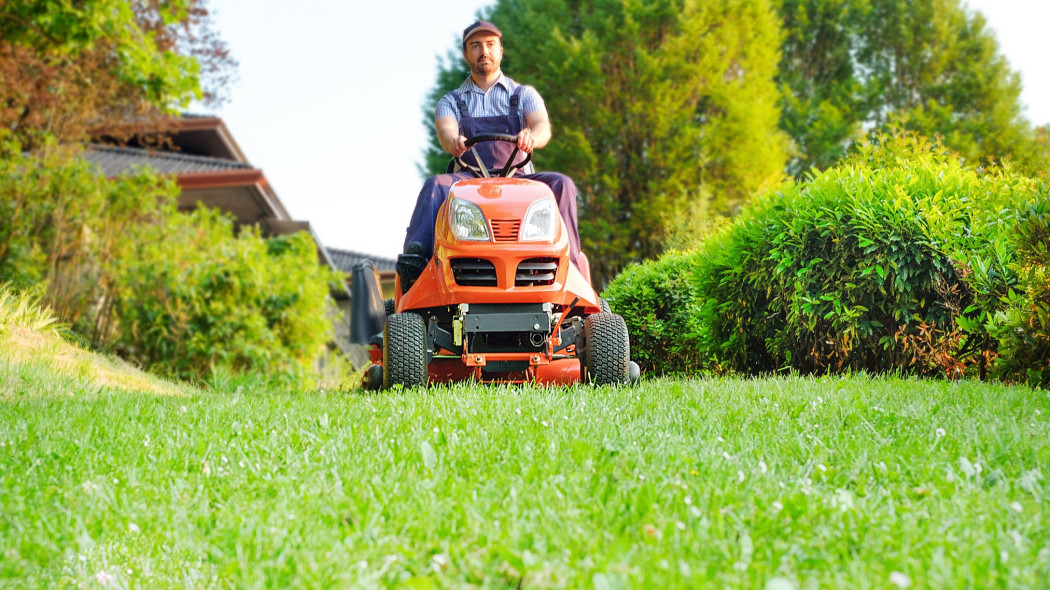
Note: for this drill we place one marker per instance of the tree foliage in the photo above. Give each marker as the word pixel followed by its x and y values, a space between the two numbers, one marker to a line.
pixel 663 112
pixel 69 67
pixel 931 66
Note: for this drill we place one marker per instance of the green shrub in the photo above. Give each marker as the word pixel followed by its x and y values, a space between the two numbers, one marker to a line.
pixel 195 299
pixel 896 260
pixel 177 293
pixel 1022 326
pixel 659 303
pixel 61 223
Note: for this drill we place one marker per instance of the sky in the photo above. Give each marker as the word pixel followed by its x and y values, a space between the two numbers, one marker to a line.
pixel 329 96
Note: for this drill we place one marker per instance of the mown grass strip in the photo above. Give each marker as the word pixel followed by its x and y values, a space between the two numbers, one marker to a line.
pixel 815 483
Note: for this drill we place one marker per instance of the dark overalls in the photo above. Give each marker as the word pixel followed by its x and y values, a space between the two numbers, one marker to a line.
pixel 494 154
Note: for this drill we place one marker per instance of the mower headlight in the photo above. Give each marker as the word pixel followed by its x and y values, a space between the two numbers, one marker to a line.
pixel 541 222
pixel 467 221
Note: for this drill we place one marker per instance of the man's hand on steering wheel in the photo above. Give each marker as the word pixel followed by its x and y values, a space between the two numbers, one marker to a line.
pixel 459 146
pixel 526 142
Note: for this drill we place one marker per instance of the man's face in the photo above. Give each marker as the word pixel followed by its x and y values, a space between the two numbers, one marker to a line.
pixel 484 52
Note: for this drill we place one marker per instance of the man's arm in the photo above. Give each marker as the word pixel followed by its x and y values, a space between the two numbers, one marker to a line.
pixel 448 134
pixel 537 131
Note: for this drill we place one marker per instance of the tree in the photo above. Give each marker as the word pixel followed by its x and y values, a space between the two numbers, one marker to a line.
pixel 69 67
pixel 931 66
pixel 664 112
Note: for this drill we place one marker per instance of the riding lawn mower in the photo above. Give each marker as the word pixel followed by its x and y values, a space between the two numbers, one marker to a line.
pixel 498 302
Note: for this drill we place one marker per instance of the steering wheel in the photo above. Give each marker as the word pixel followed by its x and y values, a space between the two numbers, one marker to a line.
pixel 481 171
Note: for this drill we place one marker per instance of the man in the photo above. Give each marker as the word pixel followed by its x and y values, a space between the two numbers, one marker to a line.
pixel 487 102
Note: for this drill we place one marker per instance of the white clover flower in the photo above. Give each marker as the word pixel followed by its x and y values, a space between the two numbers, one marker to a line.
pixel 940 433
pixel 1016 507
pixel 843 499
pixel 899 580
pixel 543 423
pixel 103 578
pixel 777 506
pixel 688 500
pixel 726 456
pixel 763 468
pixel 779 584
pixel 740 477
pixel 679 525
pixel 182 409
pixel 133 528
pixel 145 443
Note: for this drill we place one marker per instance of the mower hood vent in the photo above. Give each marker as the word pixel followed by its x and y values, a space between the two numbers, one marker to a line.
pixel 536 272
pixel 473 272
pixel 505 230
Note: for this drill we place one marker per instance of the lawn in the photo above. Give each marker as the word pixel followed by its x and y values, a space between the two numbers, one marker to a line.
pixel 770 483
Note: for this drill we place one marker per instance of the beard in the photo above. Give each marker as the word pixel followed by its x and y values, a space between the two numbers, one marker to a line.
pixel 484 69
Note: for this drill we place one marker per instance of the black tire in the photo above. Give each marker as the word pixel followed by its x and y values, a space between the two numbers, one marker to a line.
pixel 604 305
pixel 607 349
pixel 404 351
pixel 389 307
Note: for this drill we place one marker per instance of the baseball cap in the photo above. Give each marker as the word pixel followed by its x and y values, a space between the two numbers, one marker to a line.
pixel 481 26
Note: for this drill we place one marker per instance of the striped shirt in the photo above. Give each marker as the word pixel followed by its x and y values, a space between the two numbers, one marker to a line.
pixel 493 103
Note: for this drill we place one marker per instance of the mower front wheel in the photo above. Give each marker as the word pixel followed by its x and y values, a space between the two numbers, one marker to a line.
pixel 607 349
pixel 404 351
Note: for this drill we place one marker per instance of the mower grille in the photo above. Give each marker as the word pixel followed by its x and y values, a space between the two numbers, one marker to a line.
pixel 505 230
pixel 536 272
pixel 473 272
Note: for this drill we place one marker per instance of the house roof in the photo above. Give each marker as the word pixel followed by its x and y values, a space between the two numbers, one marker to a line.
pixel 206 135
pixel 345 260
pixel 115 160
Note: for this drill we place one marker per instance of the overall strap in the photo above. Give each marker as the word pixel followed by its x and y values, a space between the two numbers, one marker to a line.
pixel 514 118
pixel 464 117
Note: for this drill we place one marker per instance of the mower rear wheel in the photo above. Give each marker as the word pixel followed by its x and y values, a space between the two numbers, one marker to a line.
pixel 404 351
pixel 607 349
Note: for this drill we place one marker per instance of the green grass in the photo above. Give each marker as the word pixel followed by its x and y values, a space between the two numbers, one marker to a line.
pixel 792 482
